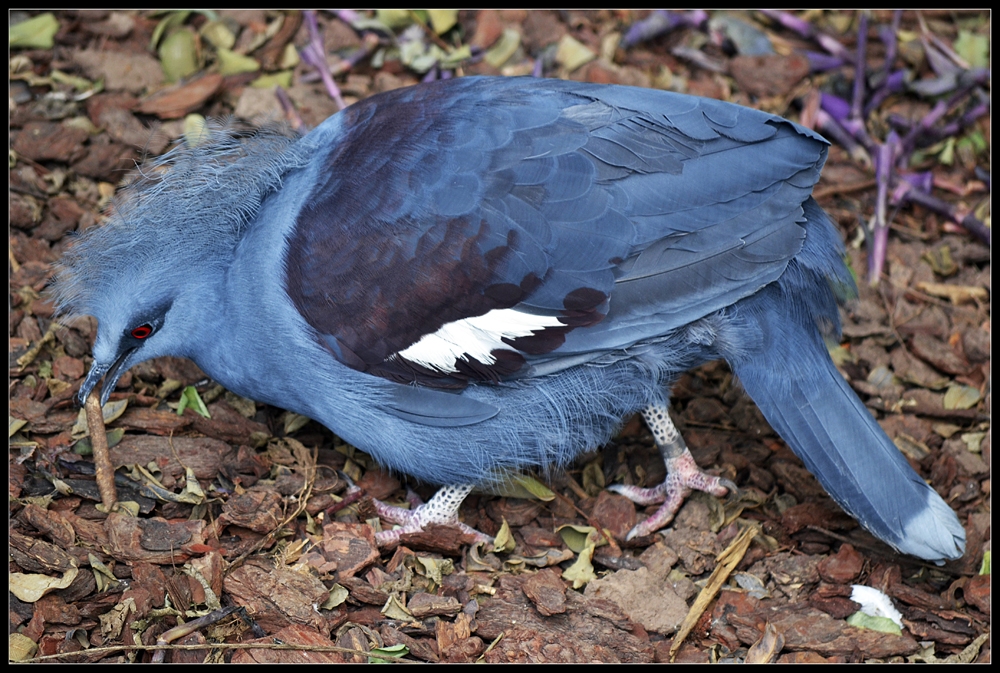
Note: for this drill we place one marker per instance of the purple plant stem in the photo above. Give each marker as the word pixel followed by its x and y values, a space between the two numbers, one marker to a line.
pixel 826 123
pixel 969 222
pixel 840 111
pixel 836 106
pixel 956 127
pixel 858 94
pixel 933 135
pixel 884 158
pixel 659 22
pixel 369 41
pixel 894 83
pixel 314 54
pixel 807 31
pixel 821 61
pixel 888 35
pixel 942 108
pixel 948 52
pixel 922 180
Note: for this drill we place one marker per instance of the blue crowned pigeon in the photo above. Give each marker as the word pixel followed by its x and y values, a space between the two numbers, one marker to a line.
pixel 481 275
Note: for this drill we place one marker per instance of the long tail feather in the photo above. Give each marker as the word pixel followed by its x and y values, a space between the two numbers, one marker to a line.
pixel 807 401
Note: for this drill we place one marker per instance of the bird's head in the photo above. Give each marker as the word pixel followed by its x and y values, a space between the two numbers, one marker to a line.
pixel 133 326
pixel 151 274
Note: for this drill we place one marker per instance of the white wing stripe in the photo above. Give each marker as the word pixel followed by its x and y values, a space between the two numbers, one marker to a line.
pixel 474 338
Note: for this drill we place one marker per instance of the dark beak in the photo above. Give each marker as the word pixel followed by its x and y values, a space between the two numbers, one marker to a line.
pixel 114 372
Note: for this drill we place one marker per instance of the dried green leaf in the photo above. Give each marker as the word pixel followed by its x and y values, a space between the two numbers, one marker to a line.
pixel 83 123
pixel 975 49
pixel 947 154
pixel 435 568
pixel 456 56
pixel 504 540
pixel 503 49
pixel 292 422
pixel 195 132
pixel 946 430
pixel 394 18
pixel 958 294
pixel 20 647
pixel 593 477
pixel 374 25
pixel 582 570
pixel 840 355
pixel 571 53
pixel 941 261
pixel 13 425
pixel 978 140
pixel 78 83
pixel 974 441
pixel 338 594
pixel 442 20
pixel 218 35
pixel 271 80
pixel 961 397
pixel 231 63
pixel 882 624
pixel 168 23
pixel 110 412
pixel 192 493
pixel 179 55
pixel 416 52
pixel 246 407
pixel 38 32
pixel 83 447
pixel 394 651
pixel 578 538
pixel 523 486
pixel 394 609
pixel 30 587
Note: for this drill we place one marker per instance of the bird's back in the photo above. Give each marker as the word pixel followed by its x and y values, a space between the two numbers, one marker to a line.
pixel 541 223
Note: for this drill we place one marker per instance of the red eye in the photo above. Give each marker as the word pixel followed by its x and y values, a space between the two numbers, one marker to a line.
pixel 142 331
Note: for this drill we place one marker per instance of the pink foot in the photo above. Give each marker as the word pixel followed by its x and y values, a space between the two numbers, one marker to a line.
pixel 440 509
pixel 683 476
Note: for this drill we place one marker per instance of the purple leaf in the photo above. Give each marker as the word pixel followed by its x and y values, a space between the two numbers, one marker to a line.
pixel 657 23
pixel 894 83
pixel 833 129
pixel 838 108
pixel 821 61
pixel 806 29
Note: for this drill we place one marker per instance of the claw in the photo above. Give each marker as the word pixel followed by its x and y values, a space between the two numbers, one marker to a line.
pixel 732 490
pixel 440 509
pixel 641 496
pixel 683 476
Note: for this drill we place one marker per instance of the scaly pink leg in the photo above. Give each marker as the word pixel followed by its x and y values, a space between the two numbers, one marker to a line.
pixel 683 475
pixel 442 509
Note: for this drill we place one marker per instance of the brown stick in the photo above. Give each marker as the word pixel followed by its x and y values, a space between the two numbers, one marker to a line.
pixel 105 471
